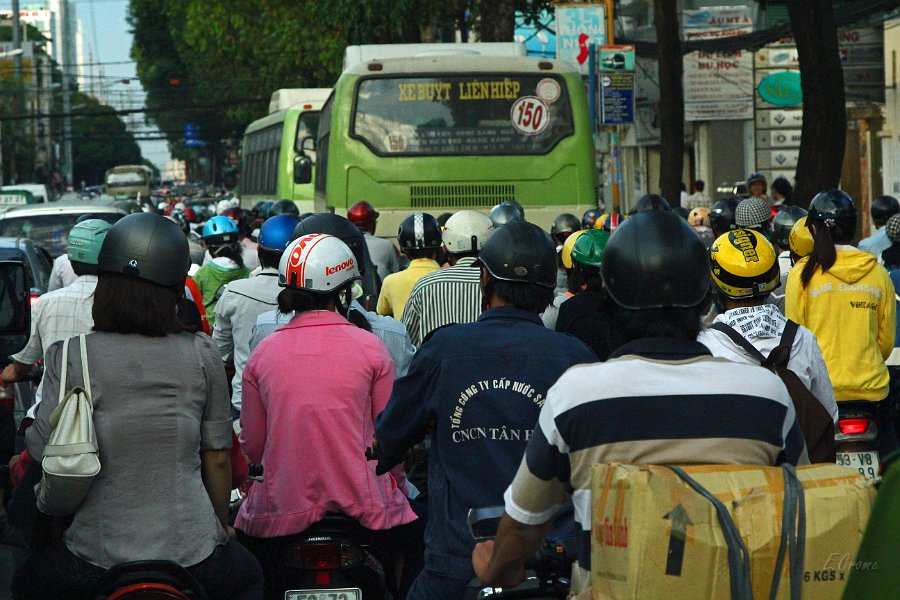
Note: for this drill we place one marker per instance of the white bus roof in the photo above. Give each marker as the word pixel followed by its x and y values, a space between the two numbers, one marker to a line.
pixel 465 64
pixel 286 98
pixel 355 55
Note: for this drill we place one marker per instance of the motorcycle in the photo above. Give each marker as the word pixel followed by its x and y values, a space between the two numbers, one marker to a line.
pixel 857 437
pixel 328 561
pixel 548 571
pixel 149 580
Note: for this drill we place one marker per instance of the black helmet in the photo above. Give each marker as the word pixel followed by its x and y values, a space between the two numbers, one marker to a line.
pixel 835 210
pixel 883 208
pixel 655 260
pixel 521 252
pixel 650 202
pixel 340 228
pixel 419 231
pixel 721 215
pixel 565 223
pixel 283 207
pixel 506 213
pixel 784 222
pixel 148 247
pixel 590 217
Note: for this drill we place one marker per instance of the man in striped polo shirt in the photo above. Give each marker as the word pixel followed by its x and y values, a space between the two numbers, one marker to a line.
pixel 451 295
pixel 660 399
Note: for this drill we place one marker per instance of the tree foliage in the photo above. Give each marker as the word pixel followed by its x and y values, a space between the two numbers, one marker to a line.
pixel 231 52
pixel 99 142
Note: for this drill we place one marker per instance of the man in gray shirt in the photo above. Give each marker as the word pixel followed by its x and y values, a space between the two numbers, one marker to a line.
pixel 381 251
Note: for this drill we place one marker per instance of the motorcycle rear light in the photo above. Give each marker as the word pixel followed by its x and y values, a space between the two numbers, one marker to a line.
pixel 34 298
pixel 854 426
pixel 323 578
pixel 316 557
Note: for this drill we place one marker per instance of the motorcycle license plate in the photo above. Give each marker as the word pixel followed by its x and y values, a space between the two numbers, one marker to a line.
pixel 866 463
pixel 336 594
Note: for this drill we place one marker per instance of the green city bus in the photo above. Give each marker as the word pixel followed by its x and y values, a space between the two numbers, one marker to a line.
pixel 445 132
pixel 271 149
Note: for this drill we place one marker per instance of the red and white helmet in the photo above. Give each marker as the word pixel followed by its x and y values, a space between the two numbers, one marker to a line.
pixel 318 263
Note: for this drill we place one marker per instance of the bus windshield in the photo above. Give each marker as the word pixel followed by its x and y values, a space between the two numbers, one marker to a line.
pixel 125 179
pixel 467 114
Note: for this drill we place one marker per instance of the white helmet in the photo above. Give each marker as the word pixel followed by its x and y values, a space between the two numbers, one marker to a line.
pixel 317 263
pixel 462 227
pixel 180 206
pixel 223 205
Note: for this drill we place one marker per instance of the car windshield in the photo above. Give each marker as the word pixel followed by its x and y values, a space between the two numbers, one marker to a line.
pixel 50 231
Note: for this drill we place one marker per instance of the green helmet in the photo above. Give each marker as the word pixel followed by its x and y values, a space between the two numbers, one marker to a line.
pixel 589 247
pixel 85 240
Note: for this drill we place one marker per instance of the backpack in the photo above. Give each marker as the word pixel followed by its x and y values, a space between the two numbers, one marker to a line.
pixel 71 457
pixel 815 422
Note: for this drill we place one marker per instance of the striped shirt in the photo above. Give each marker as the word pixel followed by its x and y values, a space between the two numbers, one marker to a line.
pixel 662 401
pixel 449 296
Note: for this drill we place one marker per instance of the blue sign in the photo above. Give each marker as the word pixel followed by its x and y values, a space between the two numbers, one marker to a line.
pixel 617 98
pixel 191 133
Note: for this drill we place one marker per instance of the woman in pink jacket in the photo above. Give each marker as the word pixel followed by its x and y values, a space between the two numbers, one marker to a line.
pixel 312 390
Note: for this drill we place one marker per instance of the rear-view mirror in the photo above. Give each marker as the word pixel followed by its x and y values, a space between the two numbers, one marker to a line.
pixel 302 170
pixel 15 307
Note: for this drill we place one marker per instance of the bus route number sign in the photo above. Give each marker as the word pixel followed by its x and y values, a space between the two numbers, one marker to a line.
pixel 530 115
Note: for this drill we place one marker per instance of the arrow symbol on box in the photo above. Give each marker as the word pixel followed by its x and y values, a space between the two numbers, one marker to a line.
pixel 680 521
pixel 779 119
pixel 781 159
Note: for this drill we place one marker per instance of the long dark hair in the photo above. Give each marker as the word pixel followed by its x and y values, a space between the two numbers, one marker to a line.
pixel 824 253
pixel 232 251
pixel 124 304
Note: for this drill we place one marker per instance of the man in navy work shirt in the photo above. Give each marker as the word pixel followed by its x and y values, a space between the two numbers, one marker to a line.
pixel 661 398
pixel 480 387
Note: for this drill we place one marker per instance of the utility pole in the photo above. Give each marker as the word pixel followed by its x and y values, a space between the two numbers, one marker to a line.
pixel 17 70
pixel 67 98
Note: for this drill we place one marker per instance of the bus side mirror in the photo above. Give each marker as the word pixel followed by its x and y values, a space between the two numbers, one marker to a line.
pixel 15 307
pixel 302 170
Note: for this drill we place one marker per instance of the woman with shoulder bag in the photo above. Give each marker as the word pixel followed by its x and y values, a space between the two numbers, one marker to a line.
pixel 162 419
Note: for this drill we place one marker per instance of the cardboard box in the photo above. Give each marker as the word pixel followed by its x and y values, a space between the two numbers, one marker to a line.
pixel 655 537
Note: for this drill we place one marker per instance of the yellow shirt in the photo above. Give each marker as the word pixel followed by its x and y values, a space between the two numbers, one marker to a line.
pixel 396 287
pixel 852 312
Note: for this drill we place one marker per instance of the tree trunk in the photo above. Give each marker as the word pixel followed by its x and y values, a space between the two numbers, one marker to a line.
pixel 497 20
pixel 671 99
pixel 824 111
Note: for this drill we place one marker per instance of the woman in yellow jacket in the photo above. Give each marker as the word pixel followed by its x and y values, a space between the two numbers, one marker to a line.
pixel 847 299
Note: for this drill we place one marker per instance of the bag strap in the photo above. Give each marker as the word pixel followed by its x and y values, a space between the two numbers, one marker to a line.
pixel 65 372
pixel 738 555
pixel 792 520
pixel 781 354
pixel 739 340
pixel 86 375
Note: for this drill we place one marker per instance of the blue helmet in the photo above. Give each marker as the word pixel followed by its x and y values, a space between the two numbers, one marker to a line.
pixel 220 230
pixel 277 232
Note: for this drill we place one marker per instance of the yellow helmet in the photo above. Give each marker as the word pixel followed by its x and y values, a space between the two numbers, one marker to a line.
pixel 567 248
pixel 744 264
pixel 801 239
pixel 601 221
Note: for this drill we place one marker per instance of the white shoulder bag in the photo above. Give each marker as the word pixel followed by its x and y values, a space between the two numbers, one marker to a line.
pixel 71 457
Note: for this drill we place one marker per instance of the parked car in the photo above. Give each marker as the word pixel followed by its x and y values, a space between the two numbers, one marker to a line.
pixel 38 190
pixel 18 397
pixel 48 225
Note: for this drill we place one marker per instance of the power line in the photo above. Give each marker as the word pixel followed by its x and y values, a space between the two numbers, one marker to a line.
pixel 132 111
